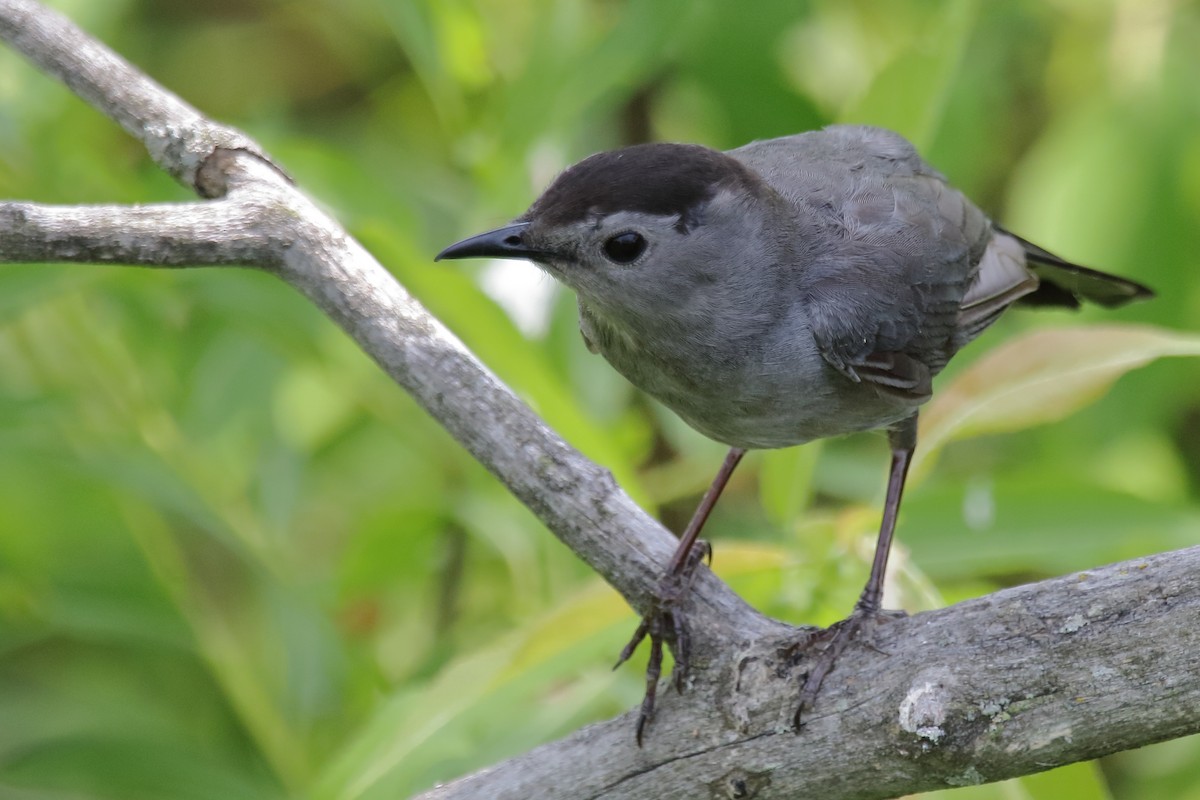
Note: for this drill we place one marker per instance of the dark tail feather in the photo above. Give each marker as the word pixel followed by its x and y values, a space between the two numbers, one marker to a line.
pixel 1066 284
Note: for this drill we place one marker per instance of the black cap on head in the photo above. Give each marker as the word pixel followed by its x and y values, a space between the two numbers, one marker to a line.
pixel 668 180
pixel 661 179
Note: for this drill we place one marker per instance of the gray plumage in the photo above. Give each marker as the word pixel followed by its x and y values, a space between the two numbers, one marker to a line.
pixel 785 291
pixel 789 290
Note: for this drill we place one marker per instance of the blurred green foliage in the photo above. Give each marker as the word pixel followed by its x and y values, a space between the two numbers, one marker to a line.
pixel 235 561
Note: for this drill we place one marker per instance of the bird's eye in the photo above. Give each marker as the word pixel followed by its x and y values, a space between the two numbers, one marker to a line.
pixel 624 248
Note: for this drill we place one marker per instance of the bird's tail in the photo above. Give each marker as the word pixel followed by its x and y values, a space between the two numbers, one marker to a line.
pixel 1066 284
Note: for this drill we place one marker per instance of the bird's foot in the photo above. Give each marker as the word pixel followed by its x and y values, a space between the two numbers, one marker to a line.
pixel 837 637
pixel 665 623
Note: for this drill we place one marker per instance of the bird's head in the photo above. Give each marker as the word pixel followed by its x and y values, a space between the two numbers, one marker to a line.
pixel 638 230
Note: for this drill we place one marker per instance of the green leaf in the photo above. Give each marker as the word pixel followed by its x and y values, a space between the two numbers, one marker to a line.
pixel 1083 781
pixel 490 704
pixel 1035 523
pixel 1079 781
pixel 1039 378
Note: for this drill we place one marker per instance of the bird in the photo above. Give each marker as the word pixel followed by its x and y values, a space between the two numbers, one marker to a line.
pixel 792 289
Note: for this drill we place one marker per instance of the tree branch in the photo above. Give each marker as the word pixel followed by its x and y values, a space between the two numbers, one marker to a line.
pixel 1017 682
pixel 165 235
pixel 1005 685
pixel 262 220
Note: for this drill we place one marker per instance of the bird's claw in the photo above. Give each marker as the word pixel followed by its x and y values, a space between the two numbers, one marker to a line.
pixel 838 637
pixel 665 623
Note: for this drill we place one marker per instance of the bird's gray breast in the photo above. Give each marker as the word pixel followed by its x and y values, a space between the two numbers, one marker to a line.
pixel 769 390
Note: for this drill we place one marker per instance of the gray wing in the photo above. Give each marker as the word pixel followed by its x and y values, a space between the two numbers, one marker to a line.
pixel 898 267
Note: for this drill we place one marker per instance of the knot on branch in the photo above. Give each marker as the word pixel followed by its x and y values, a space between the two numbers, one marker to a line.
pixel 212 176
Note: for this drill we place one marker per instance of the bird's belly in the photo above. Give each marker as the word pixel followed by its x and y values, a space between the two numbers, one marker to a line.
pixel 794 417
pixel 775 394
pixel 769 409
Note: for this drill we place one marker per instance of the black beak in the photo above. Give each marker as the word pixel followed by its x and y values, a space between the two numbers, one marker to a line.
pixel 506 242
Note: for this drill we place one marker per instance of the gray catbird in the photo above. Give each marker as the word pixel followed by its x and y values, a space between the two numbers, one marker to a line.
pixel 785 291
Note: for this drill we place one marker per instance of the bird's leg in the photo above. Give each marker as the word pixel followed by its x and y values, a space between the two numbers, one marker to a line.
pixel 903 440
pixel 664 622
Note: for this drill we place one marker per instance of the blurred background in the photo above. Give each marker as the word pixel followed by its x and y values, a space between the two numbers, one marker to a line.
pixel 236 561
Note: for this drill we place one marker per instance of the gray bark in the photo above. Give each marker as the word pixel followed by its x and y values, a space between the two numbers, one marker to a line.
pixel 1008 684
pixel 1005 685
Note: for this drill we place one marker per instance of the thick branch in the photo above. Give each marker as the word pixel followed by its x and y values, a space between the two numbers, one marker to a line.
pixel 1005 685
